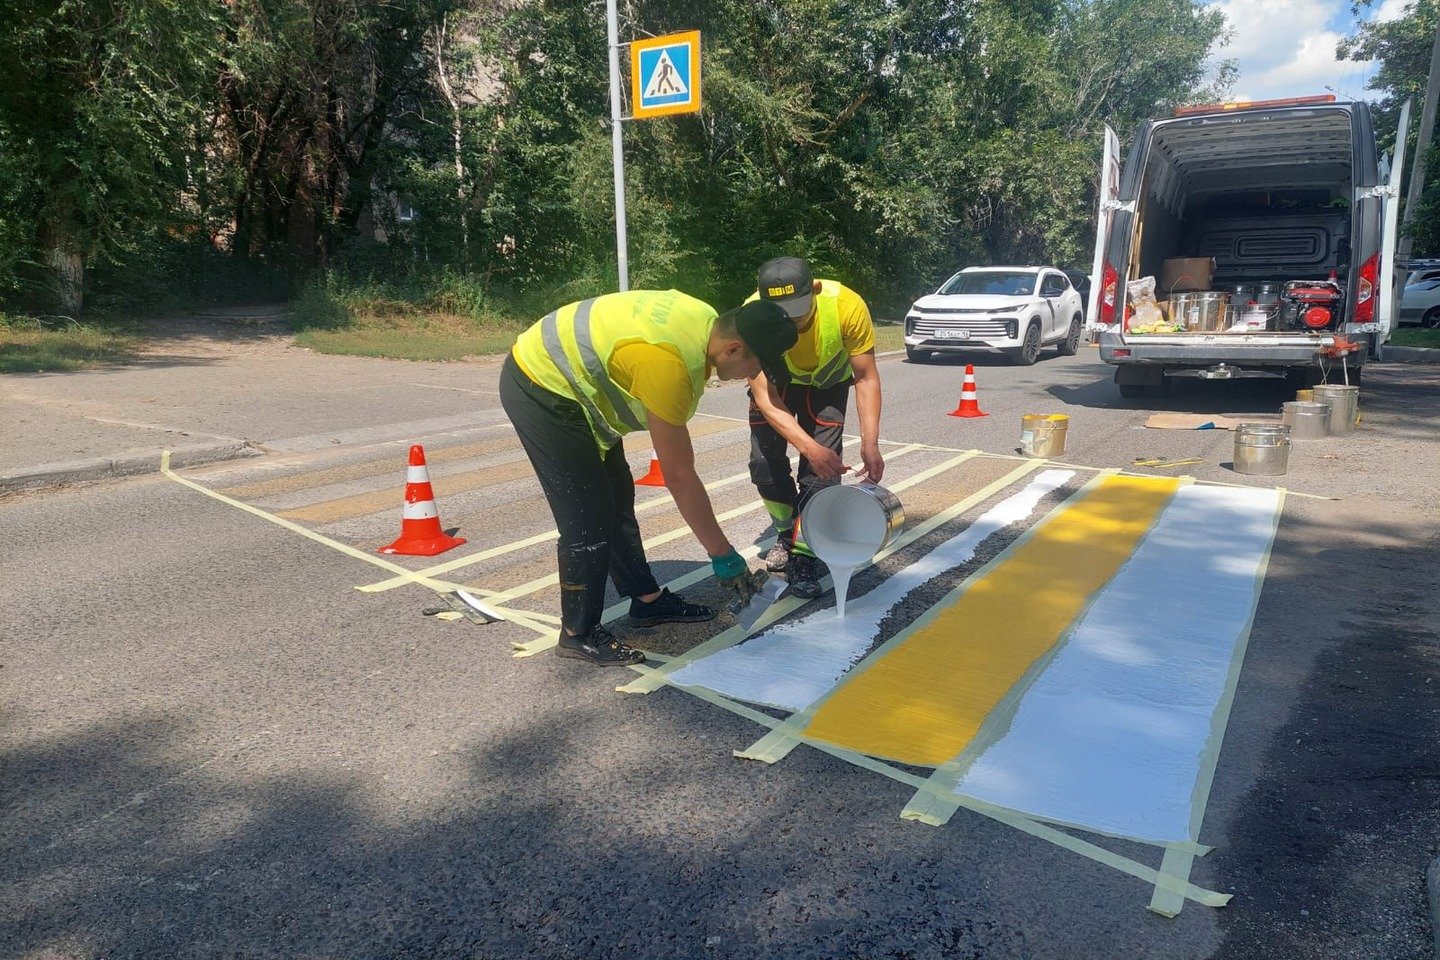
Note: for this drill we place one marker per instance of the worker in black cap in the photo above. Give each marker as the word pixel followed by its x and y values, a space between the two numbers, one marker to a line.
pixel 584 376
pixel 835 348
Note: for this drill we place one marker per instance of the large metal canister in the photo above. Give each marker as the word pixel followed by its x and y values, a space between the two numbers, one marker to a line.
pixel 1307 419
pixel 1344 406
pixel 1262 449
pixel 1200 312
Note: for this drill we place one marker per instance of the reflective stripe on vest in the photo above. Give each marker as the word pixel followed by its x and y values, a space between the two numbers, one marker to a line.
pixel 568 352
pixel 834 361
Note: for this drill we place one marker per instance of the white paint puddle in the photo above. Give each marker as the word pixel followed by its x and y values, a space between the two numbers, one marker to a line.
pixel 794 664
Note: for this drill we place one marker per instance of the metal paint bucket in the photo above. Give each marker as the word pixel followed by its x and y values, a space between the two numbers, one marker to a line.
pixel 1306 395
pixel 1307 419
pixel 847 524
pixel 1043 434
pixel 1262 449
pixel 1344 406
pixel 1200 312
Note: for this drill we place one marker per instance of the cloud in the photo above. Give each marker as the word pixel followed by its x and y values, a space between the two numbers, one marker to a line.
pixel 1392 10
pixel 1286 48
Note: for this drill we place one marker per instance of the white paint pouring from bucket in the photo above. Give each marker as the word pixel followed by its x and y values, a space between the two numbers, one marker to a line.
pixel 793 665
pixel 846 526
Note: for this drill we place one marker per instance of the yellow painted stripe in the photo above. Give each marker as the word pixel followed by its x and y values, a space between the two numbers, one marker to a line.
pixel 392 498
pixel 390 466
pixel 923 701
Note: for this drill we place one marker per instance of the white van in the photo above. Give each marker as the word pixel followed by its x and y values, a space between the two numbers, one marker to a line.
pixel 1287 197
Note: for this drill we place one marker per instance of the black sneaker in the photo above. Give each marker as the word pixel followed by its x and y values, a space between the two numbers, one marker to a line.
pixel 804 576
pixel 779 556
pixel 667 608
pixel 600 647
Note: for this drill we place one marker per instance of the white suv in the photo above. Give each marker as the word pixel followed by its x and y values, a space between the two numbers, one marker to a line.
pixel 1016 310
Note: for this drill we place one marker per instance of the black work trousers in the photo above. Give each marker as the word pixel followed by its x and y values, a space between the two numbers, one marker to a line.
pixel 591 494
pixel 821 413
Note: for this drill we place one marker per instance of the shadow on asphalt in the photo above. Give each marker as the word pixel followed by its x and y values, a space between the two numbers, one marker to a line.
pixel 544 844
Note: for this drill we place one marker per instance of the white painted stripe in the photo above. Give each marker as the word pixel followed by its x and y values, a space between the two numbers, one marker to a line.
pixel 417 474
pixel 793 665
pixel 1111 735
pixel 423 510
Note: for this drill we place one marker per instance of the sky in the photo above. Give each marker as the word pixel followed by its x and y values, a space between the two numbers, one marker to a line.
pixel 1286 48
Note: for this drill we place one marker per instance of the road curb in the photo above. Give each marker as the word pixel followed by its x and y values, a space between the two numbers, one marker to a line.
pixel 1409 354
pixel 65 473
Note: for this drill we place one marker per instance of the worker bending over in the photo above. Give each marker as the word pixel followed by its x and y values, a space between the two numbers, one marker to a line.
pixel 579 380
pixel 836 347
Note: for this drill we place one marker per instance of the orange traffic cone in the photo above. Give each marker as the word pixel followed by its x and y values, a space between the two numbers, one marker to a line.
pixel 655 478
pixel 420 533
pixel 969 406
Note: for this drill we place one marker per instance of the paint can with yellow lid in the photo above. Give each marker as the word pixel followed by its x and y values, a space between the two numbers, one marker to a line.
pixel 1043 434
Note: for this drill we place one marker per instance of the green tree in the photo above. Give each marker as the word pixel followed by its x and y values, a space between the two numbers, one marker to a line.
pixel 1402 49
pixel 101 102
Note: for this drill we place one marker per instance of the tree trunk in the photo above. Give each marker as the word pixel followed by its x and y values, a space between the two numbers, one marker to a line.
pixel 67 268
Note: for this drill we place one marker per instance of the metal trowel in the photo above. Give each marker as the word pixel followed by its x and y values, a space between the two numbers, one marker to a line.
pixel 767 590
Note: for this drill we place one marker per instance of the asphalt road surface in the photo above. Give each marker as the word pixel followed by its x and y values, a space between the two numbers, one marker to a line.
pixel 213 745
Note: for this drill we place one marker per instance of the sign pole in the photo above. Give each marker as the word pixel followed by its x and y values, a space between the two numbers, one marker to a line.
pixel 617 144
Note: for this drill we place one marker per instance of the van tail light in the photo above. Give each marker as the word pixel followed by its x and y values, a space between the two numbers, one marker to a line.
pixel 1316 318
pixel 1109 284
pixel 1365 290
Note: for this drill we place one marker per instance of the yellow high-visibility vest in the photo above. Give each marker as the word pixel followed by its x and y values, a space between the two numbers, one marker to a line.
pixel 568 352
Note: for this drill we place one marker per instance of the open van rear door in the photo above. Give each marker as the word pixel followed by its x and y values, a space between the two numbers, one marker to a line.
pixel 1109 195
pixel 1389 279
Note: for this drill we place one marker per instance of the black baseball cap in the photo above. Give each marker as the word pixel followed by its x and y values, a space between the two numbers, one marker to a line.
pixel 767 332
pixel 788 282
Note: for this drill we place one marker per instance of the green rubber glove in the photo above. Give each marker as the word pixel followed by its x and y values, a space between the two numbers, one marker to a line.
pixel 729 566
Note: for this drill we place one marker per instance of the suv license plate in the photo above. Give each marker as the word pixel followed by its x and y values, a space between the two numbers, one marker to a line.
pixel 952 334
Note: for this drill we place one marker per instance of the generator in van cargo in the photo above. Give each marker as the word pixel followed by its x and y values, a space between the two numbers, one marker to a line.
pixel 1293 210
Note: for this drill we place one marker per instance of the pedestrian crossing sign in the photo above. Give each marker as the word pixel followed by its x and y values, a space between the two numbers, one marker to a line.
pixel 665 75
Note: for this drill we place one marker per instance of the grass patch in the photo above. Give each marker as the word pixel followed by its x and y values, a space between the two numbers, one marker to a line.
pixel 889 336
pixel 448 319
pixel 28 346
pixel 421 337
pixel 1415 337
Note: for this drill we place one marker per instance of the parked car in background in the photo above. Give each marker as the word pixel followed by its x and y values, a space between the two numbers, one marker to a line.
pixel 1081 282
pixel 1420 303
pixel 1014 310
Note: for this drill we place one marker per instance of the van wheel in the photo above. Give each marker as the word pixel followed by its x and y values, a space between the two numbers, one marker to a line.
pixel 916 356
pixel 1071 344
pixel 1431 320
pixel 1029 350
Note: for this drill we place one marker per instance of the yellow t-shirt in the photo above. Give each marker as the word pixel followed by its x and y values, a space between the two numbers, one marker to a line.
pixel 655 375
pixel 857 330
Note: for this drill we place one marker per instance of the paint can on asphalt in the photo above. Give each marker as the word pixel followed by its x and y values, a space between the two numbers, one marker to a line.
pixel 1043 434
pixel 1262 449
pixel 1307 419
pixel 1344 406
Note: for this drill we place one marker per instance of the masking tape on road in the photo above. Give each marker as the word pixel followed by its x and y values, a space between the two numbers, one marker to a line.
pixel 1176 866
pixel 519 617
pixel 664 500
pixel 1176 885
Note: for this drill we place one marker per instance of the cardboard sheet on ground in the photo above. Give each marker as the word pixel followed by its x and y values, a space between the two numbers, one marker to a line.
pixel 1111 735
pixel 1189 421
pixel 793 665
